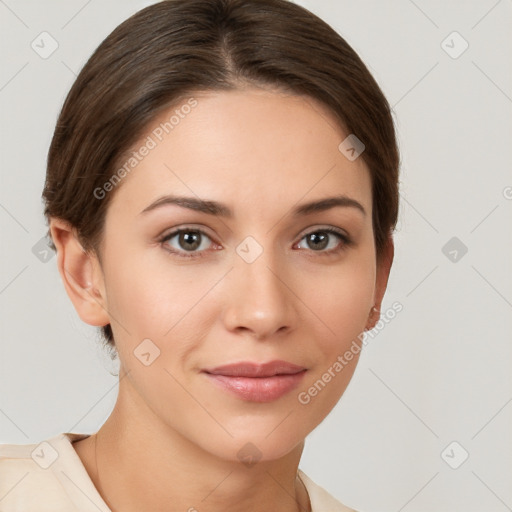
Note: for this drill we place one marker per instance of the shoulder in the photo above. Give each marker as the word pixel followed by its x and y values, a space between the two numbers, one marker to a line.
pixel 321 500
pixel 32 476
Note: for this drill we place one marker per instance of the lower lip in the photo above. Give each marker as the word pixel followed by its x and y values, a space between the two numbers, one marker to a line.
pixel 258 389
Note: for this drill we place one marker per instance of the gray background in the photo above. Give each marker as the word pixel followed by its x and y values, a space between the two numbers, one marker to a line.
pixel 439 372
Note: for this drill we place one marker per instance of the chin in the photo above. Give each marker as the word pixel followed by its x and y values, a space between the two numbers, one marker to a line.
pixel 253 443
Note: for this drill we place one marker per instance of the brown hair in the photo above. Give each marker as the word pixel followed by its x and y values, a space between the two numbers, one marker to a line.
pixel 168 50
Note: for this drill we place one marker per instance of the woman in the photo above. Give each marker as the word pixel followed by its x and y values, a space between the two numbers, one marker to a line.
pixel 221 191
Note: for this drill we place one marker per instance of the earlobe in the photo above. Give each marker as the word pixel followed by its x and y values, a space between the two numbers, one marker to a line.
pixel 373 318
pixel 81 274
pixel 381 282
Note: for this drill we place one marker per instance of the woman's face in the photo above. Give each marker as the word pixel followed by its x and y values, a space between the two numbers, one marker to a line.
pixel 254 278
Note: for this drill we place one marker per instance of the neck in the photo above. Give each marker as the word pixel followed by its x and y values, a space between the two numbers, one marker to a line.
pixel 137 463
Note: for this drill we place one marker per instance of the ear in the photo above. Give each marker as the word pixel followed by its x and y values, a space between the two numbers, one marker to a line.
pixel 381 281
pixel 81 274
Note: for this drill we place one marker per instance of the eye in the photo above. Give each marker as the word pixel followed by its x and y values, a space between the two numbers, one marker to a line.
pixel 324 238
pixel 193 243
pixel 186 240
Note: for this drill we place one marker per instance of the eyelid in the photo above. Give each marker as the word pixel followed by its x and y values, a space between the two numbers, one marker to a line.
pixel 329 228
pixel 302 234
pixel 169 233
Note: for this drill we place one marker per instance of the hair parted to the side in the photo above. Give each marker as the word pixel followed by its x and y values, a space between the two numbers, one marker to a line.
pixel 164 53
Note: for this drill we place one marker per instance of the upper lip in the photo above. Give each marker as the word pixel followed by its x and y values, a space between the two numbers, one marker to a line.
pixel 251 369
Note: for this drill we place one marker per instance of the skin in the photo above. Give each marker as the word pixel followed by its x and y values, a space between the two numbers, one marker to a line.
pixel 172 436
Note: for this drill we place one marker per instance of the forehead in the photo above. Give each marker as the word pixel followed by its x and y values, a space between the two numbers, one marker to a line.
pixel 243 147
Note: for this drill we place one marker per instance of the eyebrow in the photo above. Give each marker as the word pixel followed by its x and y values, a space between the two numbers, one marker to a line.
pixel 221 210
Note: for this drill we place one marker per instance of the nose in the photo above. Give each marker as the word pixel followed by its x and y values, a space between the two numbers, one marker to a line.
pixel 258 298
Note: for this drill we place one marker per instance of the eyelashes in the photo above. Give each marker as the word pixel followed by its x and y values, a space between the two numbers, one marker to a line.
pixel 195 237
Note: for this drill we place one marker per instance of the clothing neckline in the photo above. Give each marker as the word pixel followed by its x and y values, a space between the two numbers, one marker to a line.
pixel 84 497
pixel 70 471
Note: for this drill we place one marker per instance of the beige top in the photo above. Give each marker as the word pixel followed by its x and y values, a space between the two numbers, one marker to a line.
pixel 50 477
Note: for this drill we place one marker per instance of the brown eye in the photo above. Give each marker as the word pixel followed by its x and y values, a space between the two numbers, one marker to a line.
pixel 183 241
pixel 189 240
pixel 321 239
pixel 317 241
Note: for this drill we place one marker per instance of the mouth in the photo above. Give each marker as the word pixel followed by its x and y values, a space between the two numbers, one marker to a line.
pixel 256 382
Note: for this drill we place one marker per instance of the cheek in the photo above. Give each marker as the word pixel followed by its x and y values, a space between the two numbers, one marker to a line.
pixel 167 304
pixel 149 296
pixel 342 304
pixel 340 300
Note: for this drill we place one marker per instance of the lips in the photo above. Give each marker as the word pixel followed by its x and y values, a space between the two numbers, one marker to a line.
pixel 257 382
pixel 254 370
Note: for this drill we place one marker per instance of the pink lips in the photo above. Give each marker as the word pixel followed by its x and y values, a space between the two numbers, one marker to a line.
pixel 257 382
